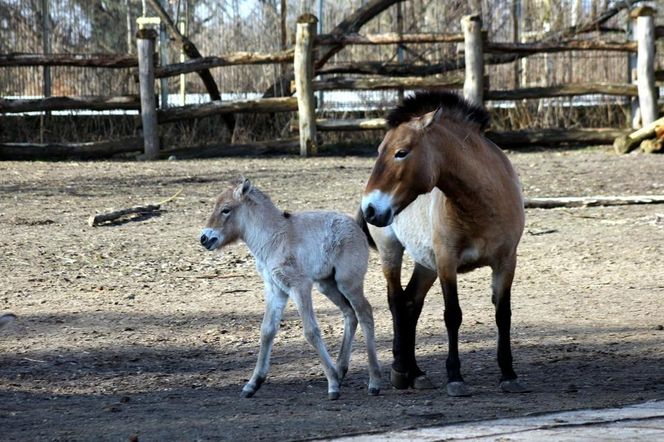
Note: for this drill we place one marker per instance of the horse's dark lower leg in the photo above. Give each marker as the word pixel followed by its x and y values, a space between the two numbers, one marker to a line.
pixel 453 319
pixel 502 294
pixel 406 307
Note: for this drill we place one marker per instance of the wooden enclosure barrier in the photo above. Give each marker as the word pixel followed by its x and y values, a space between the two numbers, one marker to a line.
pixel 448 74
pixel 303 67
pixel 146 49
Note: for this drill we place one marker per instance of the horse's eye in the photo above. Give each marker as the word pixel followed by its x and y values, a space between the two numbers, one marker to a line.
pixel 225 211
pixel 401 153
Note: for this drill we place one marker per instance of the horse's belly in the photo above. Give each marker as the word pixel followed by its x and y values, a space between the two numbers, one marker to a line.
pixel 414 230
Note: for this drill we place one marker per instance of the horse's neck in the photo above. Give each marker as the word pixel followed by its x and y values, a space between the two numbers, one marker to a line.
pixel 463 174
pixel 264 228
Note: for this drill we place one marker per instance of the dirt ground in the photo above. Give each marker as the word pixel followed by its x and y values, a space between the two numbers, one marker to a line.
pixel 135 329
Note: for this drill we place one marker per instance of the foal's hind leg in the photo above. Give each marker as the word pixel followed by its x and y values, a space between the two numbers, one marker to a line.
pixel 353 291
pixel 329 288
pixel 502 278
pixel 301 295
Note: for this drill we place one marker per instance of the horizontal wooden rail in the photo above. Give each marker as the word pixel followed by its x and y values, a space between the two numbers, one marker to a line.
pixel 563 90
pixel 450 82
pixel 570 45
pixel 279 104
pixel 504 139
pixel 233 59
pixel 387 38
pixel 83 60
pixel 288 145
pixel 54 151
pixel 554 136
pixel 99 103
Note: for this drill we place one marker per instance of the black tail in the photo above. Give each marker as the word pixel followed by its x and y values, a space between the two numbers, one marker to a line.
pixel 359 218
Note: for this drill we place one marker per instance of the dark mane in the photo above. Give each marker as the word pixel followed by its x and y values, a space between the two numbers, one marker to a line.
pixel 453 106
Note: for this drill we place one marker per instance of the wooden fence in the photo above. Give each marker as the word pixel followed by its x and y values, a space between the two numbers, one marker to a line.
pixel 303 58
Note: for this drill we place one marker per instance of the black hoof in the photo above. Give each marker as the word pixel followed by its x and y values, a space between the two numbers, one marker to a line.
pixel 422 382
pixel 247 393
pixel 513 386
pixel 458 389
pixel 374 391
pixel 399 380
pixel 333 396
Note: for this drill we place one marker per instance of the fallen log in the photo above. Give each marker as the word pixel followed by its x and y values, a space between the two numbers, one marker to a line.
pixel 61 151
pixel 591 201
pixel 627 143
pixel 141 211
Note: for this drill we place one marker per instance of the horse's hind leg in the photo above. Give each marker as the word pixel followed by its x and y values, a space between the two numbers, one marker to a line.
pixel 329 288
pixel 353 291
pixel 502 287
pixel 275 302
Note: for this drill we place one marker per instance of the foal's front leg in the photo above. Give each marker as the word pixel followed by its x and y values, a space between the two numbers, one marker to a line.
pixel 275 302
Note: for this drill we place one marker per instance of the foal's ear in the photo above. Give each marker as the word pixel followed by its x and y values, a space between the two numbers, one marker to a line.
pixel 242 189
pixel 431 118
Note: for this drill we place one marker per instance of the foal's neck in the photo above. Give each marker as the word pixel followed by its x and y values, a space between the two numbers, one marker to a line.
pixel 265 226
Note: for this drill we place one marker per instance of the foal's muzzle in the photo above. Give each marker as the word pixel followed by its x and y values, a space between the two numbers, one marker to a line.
pixel 209 239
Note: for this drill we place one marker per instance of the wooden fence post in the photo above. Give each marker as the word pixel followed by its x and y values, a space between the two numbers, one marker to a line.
pixel 645 63
pixel 303 66
pixel 145 45
pixel 473 86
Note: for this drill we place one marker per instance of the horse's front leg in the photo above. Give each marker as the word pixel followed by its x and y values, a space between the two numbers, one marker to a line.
pixel 301 294
pixel 275 302
pixel 406 306
pixel 502 278
pixel 453 317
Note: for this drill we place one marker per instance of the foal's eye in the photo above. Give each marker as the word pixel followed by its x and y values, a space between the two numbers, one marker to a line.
pixel 225 211
pixel 401 153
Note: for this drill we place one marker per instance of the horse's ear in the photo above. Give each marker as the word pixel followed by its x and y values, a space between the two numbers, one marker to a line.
pixel 242 189
pixel 432 118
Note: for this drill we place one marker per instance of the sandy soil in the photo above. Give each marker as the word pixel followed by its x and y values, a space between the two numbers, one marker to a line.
pixel 134 329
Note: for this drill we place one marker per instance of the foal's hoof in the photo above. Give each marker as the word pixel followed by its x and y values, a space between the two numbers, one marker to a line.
pixel 374 391
pixel 422 382
pixel 457 389
pixel 247 393
pixel 513 386
pixel 333 395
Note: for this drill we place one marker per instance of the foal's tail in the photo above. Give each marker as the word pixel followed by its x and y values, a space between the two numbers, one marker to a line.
pixel 359 219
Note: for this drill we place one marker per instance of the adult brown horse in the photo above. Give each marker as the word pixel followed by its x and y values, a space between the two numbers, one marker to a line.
pixel 447 195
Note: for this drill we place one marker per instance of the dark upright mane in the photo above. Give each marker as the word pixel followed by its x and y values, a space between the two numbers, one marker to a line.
pixel 453 106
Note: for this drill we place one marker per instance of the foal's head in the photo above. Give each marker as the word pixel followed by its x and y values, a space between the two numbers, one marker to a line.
pixel 224 224
pixel 409 157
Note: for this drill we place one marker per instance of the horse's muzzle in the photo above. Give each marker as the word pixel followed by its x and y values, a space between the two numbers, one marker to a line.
pixel 209 240
pixel 377 218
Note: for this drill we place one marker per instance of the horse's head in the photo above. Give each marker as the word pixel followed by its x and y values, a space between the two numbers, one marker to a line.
pixel 404 169
pixel 224 224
